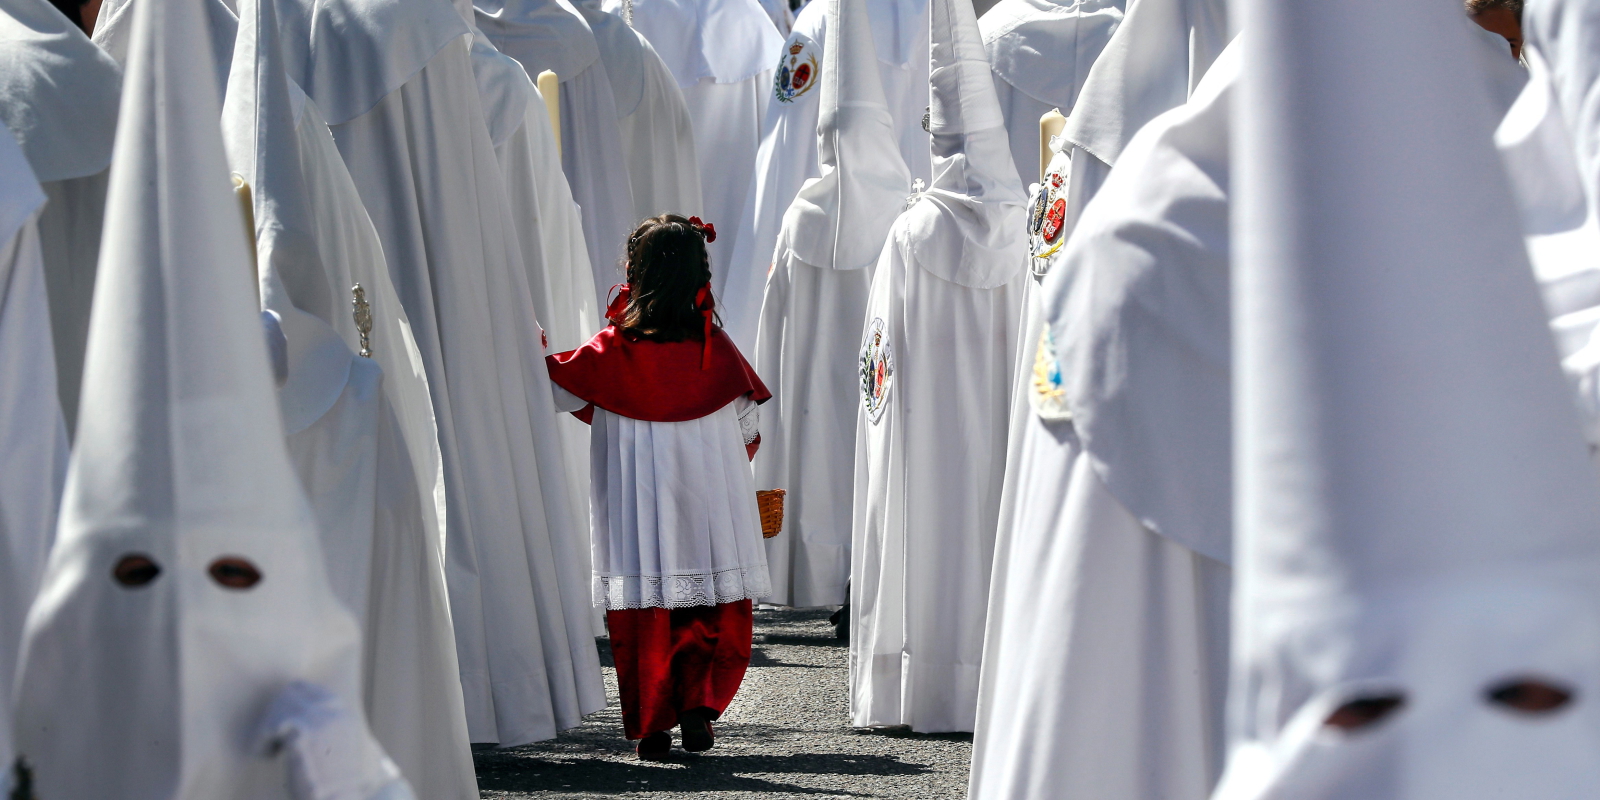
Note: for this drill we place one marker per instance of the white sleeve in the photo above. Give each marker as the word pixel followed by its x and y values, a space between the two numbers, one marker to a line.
pixel 331 753
pixel 749 418
pixel 565 400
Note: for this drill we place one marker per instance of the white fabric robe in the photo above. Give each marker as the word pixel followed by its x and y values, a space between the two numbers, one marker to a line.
pixel 787 157
pixel 58 94
pixel 727 133
pixel 1041 52
pixel 653 118
pixel 673 510
pixel 552 246
pixel 33 456
pixel 371 463
pixel 719 51
pixel 1069 699
pixel 1077 699
pixel 832 236
pixel 426 166
pixel 590 142
pixel 551 35
pixel 928 479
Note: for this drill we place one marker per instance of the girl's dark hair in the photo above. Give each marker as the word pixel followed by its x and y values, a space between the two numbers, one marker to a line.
pixel 667 268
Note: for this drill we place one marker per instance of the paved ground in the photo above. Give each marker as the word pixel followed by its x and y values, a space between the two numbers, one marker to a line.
pixel 785 736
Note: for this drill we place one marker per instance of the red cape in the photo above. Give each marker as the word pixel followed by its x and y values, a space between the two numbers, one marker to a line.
pixel 655 381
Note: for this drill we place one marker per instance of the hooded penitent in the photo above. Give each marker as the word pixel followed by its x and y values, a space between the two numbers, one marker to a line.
pixel 939 338
pixel 35 454
pixel 421 152
pixel 360 430
pixel 722 54
pixel 552 35
pixel 58 95
pixel 832 235
pixel 1041 52
pixel 185 634
pixel 1418 604
pixel 788 154
pixel 1071 701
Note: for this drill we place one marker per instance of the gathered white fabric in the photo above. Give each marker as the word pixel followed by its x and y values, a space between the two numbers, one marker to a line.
pixel 1041 52
pixel 1079 564
pixel 542 34
pixel 788 154
pixel 518 593
pixel 33 459
pixel 57 91
pixel 553 35
pixel 653 119
pixel 58 96
pixel 721 41
pixel 840 219
pixel 673 509
pixel 360 431
pixel 1152 63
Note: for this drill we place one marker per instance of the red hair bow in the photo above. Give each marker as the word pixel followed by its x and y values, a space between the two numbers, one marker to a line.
pixel 706 229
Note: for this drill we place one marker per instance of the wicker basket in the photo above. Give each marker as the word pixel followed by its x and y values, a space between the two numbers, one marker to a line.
pixel 770 501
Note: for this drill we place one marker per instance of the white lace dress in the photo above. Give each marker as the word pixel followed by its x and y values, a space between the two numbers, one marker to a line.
pixel 672 509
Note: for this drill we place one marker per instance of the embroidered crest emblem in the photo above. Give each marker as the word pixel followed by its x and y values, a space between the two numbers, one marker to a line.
pixel 877 370
pixel 1048 396
pixel 797 70
pixel 1047 217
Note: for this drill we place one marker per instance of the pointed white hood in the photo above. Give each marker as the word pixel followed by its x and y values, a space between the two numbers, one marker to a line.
pixel 1417 519
pixel 973 238
pixel 542 34
pixel 1152 63
pixel 58 92
pixel 841 219
pixel 186 589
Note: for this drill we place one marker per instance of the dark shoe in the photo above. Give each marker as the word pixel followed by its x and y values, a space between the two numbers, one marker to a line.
pixel 696 729
pixel 841 622
pixel 655 747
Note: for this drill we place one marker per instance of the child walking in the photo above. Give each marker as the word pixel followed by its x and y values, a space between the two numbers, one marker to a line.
pixel 678 553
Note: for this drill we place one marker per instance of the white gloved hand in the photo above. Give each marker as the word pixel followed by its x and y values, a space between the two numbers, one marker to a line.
pixel 332 755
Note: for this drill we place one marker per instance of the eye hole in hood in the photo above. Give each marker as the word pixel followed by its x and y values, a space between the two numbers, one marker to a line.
pixel 1364 712
pixel 135 570
pixel 233 572
pixel 1528 695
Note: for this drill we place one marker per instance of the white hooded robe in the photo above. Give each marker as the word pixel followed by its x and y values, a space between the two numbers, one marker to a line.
pixel 186 633
pixel 410 124
pixel 360 430
pixel 936 371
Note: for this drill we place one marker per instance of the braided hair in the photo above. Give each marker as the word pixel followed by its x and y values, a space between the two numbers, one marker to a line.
pixel 667 268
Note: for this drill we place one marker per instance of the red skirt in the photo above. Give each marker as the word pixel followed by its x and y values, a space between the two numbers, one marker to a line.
pixel 674 660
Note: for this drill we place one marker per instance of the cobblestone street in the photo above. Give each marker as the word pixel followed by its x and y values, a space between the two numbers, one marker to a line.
pixel 786 735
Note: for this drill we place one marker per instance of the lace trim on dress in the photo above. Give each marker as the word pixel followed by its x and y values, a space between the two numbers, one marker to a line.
pixel 750 423
pixel 681 591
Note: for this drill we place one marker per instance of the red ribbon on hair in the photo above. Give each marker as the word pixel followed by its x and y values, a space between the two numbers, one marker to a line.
pixel 616 307
pixel 706 229
pixel 706 306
